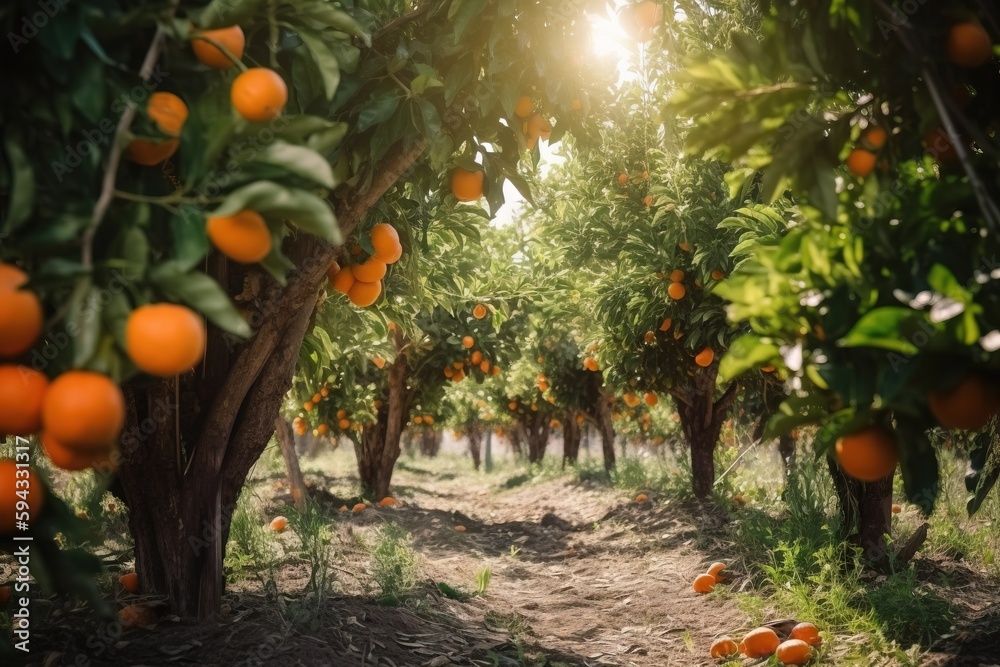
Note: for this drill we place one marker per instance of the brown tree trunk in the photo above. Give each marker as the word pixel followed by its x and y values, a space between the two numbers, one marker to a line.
pixel 378 449
pixel 475 437
pixel 701 421
pixel 517 437
pixel 190 442
pixel 786 447
pixel 571 439
pixel 606 426
pixel 865 514
pixel 286 440
pixel 537 429
pixel 430 442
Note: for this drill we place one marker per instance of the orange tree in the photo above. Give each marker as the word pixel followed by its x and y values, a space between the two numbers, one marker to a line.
pixel 881 302
pixel 263 145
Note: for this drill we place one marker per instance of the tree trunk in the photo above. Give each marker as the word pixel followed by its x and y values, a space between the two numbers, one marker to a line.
pixel 701 421
pixel 606 426
pixel 378 449
pixel 190 442
pixel 571 440
pixel 286 440
pixel 475 438
pixel 786 447
pixel 865 514
pixel 430 442
pixel 517 437
pixel 537 429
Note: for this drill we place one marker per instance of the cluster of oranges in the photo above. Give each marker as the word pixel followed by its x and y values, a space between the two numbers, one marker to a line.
pixel 362 282
pixel 534 125
pixel 421 420
pixel 476 359
pixel 764 642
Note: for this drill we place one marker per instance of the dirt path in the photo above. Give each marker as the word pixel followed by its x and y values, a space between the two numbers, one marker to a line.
pixel 596 579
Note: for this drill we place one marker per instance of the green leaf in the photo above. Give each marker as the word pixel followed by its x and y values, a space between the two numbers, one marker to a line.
pixel 881 328
pixel 795 411
pixel 302 208
pixel 190 240
pixel 746 353
pixel 300 161
pixel 378 109
pixel 202 294
pixel 22 184
pixel 326 62
pixel 83 321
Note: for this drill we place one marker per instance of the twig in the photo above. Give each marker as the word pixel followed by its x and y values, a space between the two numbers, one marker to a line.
pixel 114 158
pixel 400 20
pixel 222 47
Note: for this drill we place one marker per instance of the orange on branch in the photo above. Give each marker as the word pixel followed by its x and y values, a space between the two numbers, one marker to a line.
pixel 22 393
pixel 243 237
pixel 969 405
pixel 468 342
pixel 869 454
pixel 259 94
pixel 525 105
pixel 364 294
pixel 651 399
pixel 677 291
pixel 21 317
pixel 480 311
pixel 467 186
pixel 343 280
pixel 676 276
pixel 232 39
pixel 74 460
pixel 385 241
pixel 861 162
pixel 165 339
pixel 84 410
pixel 371 270
pixel 968 45
pixel 169 113
pixel 705 357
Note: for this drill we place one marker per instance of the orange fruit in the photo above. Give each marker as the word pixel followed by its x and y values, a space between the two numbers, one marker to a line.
pixel 458 365
pixel 385 240
pixel 370 271
pixel 477 358
pixel 794 652
pixel 647 201
pixel 480 311
pixel 768 369
pixel 317 397
pixel 651 399
pixel 969 405
pixel 343 280
pixel 308 406
pixel 808 633
pixel 379 362
pixel 74 460
pixel 418 420
pixel 641 498
pixel 360 507
pixel 676 276
pixel 279 523
pixel 467 185
pixel 705 357
pixel 940 145
pixel 718 275
pixel 322 429
pixel 11 277
pixel 525 105
pixel 243 237
pixel 875 138
pixel 715 569
pixel 364 294
pixel 648 14
pixel 869 454
pixel 496 370
pixel 458 376
pixel 590 364
pixel 686 247
pixel 84 410
pixel 130 582
pixel 968 45
pixel 448 371
pixel 22 391
pixel 539 127
pixel 429 420
pixel 468 342
pixel 259 94
pixel 165 339
pixel 666 324
pixel 341 414
pixel 704 583
pixel 576 105
pixel 760 643
pixel 13 481
pixel 169 113
pixel 344 424
pixel 622 179
pixel 649 337
pixel 21 316
pixel 459 529
pixel 231 38
pixel 724 648
pixel 860 162
pixel 137 615
pixel 896 509
pixel 676 291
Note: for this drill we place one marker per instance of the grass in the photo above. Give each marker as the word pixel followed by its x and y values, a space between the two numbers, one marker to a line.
pixel 394 567
pixel 251 548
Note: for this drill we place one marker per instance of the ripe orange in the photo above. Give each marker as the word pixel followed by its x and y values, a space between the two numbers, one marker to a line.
pixel 648 14
pixel 539 127
pixel 641 498
pixel 259 94
pixel 647 201
pixel 649 337
pixel 84 410
pixel 22 391
pixel 360 507
pixel 525 105
pixel 686 247
pixel 73 460
pixel 371 271
pixel 477 358
pixel 344 424
pixel 231 38
pixel 458 376
pixel 940 145
pixel 576 105
pixel 459 529
pixel 165 339
pixel 429 420
pixel 279 523
pixel 364 294
pixel 137 615
pixel 418 420
pixel 468 342
pixel 21 316
pixel 379 362
pixel 243 237
pixel 715 569
pixel 308 406
pixel 705 357
pixel 875 138
pixel 458 365
pixel 676 276
pixel 322 429
pixel 385 240
pixel 768 369
pixel 969 405
pixel 622 179
pixel 860 162
pixel 968 45
pixel 10 484
pixel 496 370
pixel 448 371
pixel 651 399
pixel 169 113
pixel 666 324
pixel 590 364
pixel 869 454
pixel 130 582
pixel 467 185
pixel 724 648
pixel 718 275
pixel 704 583
pixel 794 652
pixel 896 509
pixel 760 643
pixel 343 280
pixel 676 291
pixel 808 633
pixel 480 311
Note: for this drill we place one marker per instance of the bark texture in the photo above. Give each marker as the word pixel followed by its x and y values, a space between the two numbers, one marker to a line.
pixel 571 439
pixel 286 440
